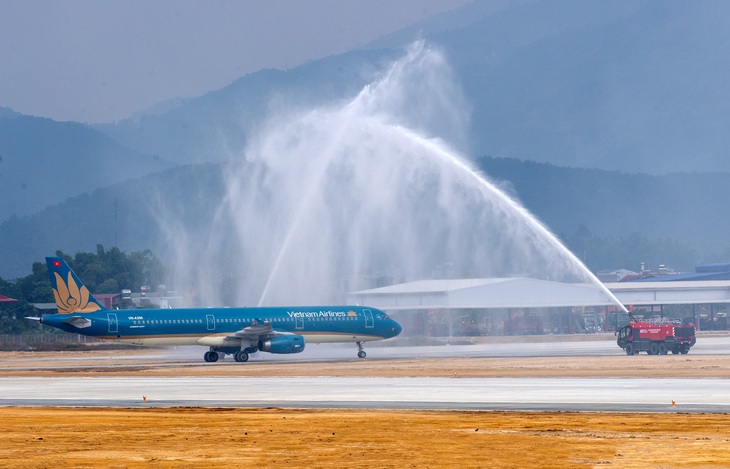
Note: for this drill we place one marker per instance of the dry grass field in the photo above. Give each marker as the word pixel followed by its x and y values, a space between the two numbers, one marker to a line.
pixel 35 437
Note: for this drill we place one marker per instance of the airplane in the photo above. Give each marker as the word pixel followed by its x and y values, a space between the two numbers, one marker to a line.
pixel 235 331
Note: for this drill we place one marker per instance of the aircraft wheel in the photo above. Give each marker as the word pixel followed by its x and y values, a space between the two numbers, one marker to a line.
pixel 629 349
pixel 361 354
pixel 206 356
pixel 211 356
pixel 241 356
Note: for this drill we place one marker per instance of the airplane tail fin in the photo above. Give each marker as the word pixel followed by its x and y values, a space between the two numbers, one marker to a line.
pixel 71 295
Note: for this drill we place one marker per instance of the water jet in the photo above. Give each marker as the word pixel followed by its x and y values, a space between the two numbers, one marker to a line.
pixel 328 200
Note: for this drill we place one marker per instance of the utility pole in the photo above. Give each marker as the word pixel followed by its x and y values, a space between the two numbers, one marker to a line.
pixel 116 235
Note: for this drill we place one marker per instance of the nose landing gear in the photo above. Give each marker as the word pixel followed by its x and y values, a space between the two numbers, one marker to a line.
pixel 360 352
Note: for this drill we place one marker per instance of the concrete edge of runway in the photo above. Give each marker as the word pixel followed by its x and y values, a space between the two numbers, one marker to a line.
pixel 375 405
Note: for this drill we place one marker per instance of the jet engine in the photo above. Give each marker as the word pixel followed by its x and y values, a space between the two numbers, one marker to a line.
pixel 292 343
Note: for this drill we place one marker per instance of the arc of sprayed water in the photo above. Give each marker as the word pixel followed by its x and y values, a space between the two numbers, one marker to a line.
pixel 371 107
pixel 534 224
pixel 304 200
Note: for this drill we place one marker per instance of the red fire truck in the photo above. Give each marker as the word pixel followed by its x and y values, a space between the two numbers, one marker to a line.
pixel 656 339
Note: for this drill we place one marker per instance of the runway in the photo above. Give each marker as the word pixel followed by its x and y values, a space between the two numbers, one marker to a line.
pixel 462 393
pixel 549 394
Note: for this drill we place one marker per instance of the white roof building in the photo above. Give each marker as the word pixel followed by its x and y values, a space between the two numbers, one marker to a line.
pixel 482 293
pixel 488 293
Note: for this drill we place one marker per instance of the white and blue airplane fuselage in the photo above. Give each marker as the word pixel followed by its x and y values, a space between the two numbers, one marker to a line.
pixel 235 331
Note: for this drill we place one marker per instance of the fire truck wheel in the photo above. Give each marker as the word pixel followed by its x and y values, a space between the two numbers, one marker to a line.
pixel 629 349
pixel 675 349
pixel 684 350
pixel 662 349
pixel 653 348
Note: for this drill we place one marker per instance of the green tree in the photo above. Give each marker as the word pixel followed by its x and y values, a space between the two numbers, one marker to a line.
pixel 111 271
pixel 102 272
pixel 34 288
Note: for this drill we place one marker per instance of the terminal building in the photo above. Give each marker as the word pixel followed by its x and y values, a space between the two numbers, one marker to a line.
pixel 518 306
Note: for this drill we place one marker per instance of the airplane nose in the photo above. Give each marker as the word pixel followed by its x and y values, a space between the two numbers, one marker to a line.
pixel 397 328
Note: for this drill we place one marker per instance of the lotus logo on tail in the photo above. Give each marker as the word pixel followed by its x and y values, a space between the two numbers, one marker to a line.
pixel 72 299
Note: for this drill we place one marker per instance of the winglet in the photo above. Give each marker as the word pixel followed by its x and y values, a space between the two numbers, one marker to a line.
pixel 71 295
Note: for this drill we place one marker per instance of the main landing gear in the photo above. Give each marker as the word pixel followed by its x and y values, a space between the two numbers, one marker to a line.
pixel 360 352
pixel 214 355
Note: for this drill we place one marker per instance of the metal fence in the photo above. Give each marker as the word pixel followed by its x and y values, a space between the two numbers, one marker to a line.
pixel 24 339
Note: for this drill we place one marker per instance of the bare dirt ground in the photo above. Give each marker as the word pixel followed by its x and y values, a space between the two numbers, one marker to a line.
pixel 186 437
pixel 135 438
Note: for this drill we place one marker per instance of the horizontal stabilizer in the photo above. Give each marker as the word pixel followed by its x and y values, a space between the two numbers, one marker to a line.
pixel 78 322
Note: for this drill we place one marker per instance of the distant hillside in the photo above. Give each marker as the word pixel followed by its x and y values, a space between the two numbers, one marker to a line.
pixel 636 86
pixel 685 207
pixel 80 223
pixel 7 113
pixel 42 162
pixel 629 85
pixel 680 207
pixel 216 126
pixel 631 91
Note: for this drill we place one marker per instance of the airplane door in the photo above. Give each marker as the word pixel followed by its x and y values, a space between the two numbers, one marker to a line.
pixel 113 323
pixel 210 319
pixel 299 323
pixel 368 318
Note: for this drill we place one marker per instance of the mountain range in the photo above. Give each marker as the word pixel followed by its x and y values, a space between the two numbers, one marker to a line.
pixel 132 214
pixel 628 85
pixel 607 115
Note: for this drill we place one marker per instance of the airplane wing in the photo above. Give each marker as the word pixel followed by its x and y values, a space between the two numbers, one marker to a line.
pixel 257 330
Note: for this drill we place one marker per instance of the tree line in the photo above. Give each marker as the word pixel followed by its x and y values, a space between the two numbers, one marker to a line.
pixel 105 271
pixel 600 253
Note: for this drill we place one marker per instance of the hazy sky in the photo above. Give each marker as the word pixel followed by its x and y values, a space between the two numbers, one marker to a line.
pixel 100 61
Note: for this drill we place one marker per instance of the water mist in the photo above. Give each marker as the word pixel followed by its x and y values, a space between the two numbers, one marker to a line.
pixel 324 201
